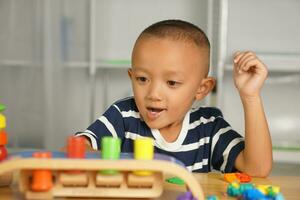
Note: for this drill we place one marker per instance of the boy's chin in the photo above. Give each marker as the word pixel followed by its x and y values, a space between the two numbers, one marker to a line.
pixel 152 125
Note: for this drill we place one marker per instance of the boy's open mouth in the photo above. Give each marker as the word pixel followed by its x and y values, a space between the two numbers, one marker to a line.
pixel 154 113
pixel 151 109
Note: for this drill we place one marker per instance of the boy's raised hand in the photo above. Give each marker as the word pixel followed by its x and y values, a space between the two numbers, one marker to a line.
pixel 249 74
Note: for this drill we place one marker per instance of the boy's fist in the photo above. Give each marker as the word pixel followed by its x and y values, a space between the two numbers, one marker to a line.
pixel 249 74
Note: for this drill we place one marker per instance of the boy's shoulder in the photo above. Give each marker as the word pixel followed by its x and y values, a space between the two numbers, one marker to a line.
pixel 126 104
pixel 206 112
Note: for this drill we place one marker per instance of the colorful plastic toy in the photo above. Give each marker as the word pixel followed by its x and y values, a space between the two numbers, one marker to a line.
pixel 253 194
pixel 186 196
pixel 248 191
pixel 268 189
pixel 175 180
pixel 237 177
pixel 212 197
pixel 91 183
pixel 244 178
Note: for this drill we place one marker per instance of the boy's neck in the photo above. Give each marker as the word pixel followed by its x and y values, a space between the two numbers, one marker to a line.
pixel 171 133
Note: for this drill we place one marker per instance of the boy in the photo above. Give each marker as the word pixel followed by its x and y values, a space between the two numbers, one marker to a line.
pixel 170 64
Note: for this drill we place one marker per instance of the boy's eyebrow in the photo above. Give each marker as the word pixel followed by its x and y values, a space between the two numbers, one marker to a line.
pixel 176 73
pixel 167 73
pixel 137 69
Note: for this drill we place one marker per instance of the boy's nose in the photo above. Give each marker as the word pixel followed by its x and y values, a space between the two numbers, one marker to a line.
pixel 154 92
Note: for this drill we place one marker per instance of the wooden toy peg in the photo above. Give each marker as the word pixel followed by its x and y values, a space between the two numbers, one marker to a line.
pixel 41 178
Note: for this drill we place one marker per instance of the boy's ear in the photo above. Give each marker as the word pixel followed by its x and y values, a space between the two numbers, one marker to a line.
pixel 205 87
pixel 129 72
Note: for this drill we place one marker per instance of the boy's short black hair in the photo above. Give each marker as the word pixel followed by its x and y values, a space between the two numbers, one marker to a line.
pixel 178 30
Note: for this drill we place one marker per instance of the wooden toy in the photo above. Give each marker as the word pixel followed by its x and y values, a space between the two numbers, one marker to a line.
pixel 5 179
pixel 3 142
pixel 125 185
pixel 143 150
pixel 3 153
pixel 3 135
pixel 75 147
pixel 110 149
pixel 46 175
pixel 41 178
pixel 2 121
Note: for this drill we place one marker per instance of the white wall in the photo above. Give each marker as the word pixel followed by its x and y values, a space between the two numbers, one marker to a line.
pixel 46 79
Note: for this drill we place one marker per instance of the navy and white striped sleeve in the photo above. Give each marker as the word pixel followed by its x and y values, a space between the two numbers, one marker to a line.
pixel 226 144
pixel 109 124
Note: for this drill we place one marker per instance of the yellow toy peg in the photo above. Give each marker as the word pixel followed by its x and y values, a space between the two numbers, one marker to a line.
pixel 143 150
pixel 2 121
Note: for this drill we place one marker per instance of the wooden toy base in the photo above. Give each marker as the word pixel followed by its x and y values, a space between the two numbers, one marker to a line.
pixel 6 179
pixel 90 183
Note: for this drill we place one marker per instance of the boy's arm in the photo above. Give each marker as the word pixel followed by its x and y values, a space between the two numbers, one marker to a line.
pixel 249 75
pixel 88 144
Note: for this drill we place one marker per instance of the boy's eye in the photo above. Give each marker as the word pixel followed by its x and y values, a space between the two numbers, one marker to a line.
pixel 141 79
pixel 173 83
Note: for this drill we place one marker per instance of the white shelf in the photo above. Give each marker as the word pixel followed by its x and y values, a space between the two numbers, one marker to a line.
pixel 19 63
pixel 286 156
pixel 112 64
pixel 277 62
pixel 105 64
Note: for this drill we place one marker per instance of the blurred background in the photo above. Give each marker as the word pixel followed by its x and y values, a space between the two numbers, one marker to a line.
pixel 63 62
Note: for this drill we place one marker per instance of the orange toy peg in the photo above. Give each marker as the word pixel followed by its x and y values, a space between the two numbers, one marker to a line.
pixel 3 137
pixel 42 178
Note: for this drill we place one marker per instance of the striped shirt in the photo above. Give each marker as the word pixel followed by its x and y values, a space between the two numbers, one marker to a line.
pixel 206 141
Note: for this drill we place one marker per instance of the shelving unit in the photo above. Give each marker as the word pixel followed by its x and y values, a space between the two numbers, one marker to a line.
pixel 63 62
pixel 272 32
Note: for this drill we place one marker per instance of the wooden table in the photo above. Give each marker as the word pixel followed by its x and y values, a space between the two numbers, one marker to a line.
pixel 212 183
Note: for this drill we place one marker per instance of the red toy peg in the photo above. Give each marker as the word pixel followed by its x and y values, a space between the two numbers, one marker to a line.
pixel 3 153
pixel 76 147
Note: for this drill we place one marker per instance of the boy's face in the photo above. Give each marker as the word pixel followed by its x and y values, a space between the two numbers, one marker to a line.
pixel 166 77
